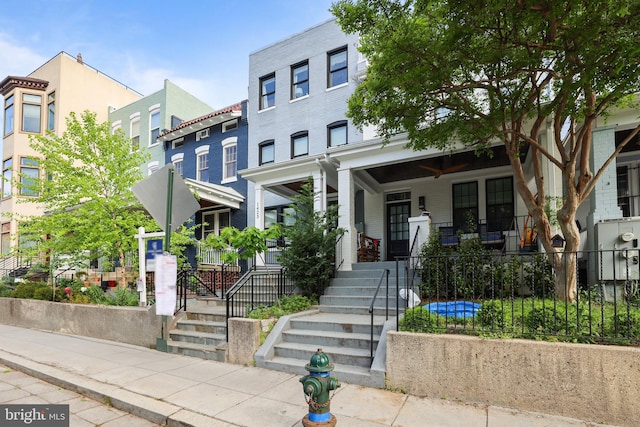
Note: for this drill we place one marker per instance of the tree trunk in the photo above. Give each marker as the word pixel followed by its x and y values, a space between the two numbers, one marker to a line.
pixel 122 270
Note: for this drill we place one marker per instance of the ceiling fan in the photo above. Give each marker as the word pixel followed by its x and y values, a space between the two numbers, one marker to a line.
pixel 437 172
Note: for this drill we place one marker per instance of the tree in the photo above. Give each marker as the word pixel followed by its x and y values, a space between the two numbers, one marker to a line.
pixel 241 244
pixel 310 255
pixel 476 74
pixel 85 191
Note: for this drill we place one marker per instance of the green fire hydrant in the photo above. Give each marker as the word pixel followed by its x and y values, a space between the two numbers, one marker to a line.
pixel 317 386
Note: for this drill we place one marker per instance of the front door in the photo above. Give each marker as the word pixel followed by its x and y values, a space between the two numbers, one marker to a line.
pixel 398 230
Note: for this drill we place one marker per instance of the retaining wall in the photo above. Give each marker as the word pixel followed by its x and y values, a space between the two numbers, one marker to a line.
pixel 589 382
pixel 132 325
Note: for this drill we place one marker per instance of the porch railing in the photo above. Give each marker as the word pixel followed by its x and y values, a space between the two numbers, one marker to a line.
pixel 514 294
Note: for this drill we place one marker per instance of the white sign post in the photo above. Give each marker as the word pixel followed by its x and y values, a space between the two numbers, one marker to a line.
pixel 165 281
pixel 142 268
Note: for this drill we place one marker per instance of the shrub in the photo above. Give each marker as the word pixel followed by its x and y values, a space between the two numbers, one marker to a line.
pixel 96 295
pixel 626 324
pixel 124 297
pixel 491 315
pixel 419 319
pixel 285 305
pixel 25 290
pixel 310 257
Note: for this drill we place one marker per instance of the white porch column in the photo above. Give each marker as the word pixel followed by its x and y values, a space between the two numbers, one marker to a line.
pixel 320 190
pixel 346 202
pixel 259 207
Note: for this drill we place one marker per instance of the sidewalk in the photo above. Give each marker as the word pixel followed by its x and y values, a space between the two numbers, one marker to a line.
pixel 174 390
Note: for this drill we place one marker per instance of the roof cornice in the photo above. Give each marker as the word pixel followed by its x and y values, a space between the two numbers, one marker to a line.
pixel 12 82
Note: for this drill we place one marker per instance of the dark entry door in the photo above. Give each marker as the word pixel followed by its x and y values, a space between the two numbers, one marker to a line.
pixel 398 230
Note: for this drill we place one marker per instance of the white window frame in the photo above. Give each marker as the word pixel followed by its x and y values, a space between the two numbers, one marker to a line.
pixel 215 227
pixel 152 167
pixel 134 119
pixel 228 143
pixel 153 110
pixel 115 126
pixel 176 159
pixel 234 123
pixel 203 150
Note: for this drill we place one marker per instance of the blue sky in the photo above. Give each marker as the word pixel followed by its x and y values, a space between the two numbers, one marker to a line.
pixel 201 45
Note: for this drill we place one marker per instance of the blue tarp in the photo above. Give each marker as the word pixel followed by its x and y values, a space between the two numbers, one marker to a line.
pixel 461 309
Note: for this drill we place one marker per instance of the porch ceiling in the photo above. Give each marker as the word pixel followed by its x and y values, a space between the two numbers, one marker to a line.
pixel 215 195
pixel 436 166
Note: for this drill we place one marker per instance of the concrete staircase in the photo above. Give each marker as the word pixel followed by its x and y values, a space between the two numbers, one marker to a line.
pixel 341 326
pixel 201 331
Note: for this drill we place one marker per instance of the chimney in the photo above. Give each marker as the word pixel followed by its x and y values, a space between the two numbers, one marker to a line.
pixel 79 59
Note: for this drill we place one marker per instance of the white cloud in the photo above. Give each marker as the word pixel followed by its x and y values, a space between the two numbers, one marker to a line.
pixel 16 60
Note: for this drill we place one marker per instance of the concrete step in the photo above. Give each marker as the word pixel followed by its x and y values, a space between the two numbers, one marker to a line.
pixel 360 310
pixel 207 352
pixel 201 326
pixel 357 300
pixel 204 338
pixel 365 274
pixel 335 322
pixel 344 373
pixel 326 339
pixel 342 355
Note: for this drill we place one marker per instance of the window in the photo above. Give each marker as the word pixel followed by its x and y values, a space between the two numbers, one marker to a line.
pixel 229 159
pixel 177 159
pixel 499 203
pixel 202 163
pixel 31 110
pixel 154 125
pixel 6 177
pixel 268 91
pixel 337 67
pixel 152 167
pixel 299 144
pixel 8 115
pixel 465 205
pixel 51 111
pixel 29 174
pixel 115 126
pixel 337 133
pixel 5 238
pixel 214 222
pixel 300 80
pixel 135 131
pixel 230 125
pixel 267 152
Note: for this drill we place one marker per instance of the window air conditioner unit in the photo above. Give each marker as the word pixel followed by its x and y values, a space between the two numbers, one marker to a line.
pixel 202 134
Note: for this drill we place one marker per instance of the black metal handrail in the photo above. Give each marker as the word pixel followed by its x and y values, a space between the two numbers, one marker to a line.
pixel 338 256
pixel 263 288
pixel 415 240
pixel 385 274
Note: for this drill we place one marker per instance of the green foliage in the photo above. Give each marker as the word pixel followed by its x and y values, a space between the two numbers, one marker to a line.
pixel 491 315
pixel 241 244
pixel 456 74
pixel 419 319
pixel 92 212
pixel 463 275
pixel 538 275
pixel 309 259
pixel 181 239
pixel 124 297
pixel 27 289
pixel 285 305
pixel 96 295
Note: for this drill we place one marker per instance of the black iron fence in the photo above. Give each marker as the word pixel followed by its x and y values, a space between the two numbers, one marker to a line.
pixel 525 295
pixel 257 288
